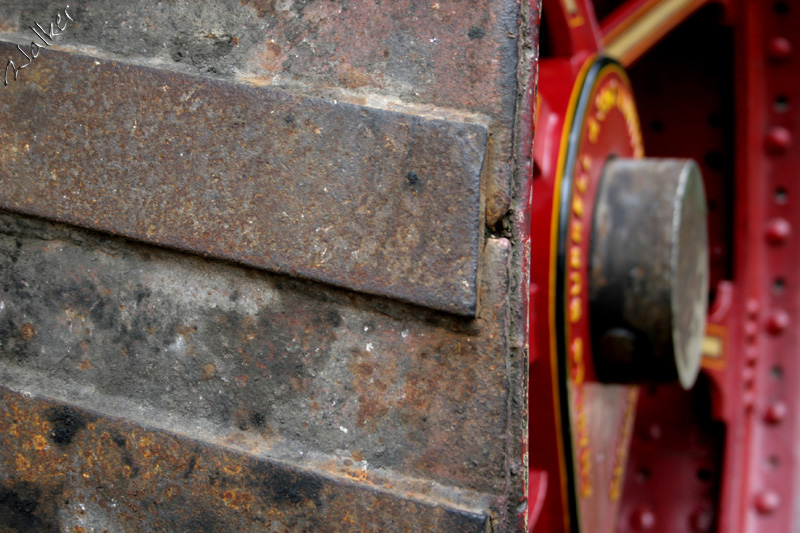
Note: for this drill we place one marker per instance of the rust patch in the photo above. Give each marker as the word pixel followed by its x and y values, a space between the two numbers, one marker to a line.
pixel 27 332
pixel 268 57
pixel 209 370
pixel 8 25
pixel 353 78
pixel 121 476
pixel 258 356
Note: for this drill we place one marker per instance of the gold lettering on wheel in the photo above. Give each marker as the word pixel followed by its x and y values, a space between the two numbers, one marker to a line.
pixel 577 206
pixel 582 184
pixel 621 453
pixel 575 310
pixel 575 257
pixel 578 369
pixel 594 129
pixel 577 232
pixel 582 431
pixel 606 100
pixel 586 471
pixel 575 283
pixel 612 98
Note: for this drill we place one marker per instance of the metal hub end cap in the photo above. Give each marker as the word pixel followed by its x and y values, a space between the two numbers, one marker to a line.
pixel 648 294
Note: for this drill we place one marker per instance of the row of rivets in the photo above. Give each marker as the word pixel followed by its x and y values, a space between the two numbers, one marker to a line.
pixel 777 142
pixel 751 329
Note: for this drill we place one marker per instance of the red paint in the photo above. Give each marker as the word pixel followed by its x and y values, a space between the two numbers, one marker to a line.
pixel 778 231
pixel 702 520
pixel 780 48
pixel 721 457
pixel 776 413
pixel 643 519
pixel 779 140
pixel 767 502
pixel 778 322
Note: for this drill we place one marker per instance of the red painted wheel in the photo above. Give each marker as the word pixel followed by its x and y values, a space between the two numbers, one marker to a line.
pixel 608 212
pixel 713 457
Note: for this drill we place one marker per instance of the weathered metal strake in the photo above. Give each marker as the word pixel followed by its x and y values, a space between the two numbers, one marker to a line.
pixel 112 476
pixel 377 201
pixel 285 371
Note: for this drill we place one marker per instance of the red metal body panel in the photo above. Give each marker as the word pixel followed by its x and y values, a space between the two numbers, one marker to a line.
pixel 760 390
pixel 717 82
pixel 599 416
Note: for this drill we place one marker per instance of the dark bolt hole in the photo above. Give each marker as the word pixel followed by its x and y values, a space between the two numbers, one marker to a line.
pixel 781 104
pixel 778 285
pixel 657 125
pixel 715 160
pixel 258 420
pixel 618 345
pixel 476 32
pixel 705 475
pixel 717 119
pixel 781 196
pixel 781 8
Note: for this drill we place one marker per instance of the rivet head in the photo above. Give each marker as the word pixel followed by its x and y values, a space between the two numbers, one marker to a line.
pixel 643 519
pixel 653 432
pixel 753 307
pixel 748 376
pixel 778 231
pixel 701 520
pixel 778 140
pixel 776 412
pixel 751 355
pixel 750 330
pixel 748 400
pixel 778 322
pixel 779 48
pixel 767 502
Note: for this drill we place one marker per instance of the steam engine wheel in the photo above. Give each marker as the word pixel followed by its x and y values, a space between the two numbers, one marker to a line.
pixel 650 250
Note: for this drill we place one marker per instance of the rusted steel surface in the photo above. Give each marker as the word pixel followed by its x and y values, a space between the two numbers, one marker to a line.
pixel 275 364
pixel 367 199
pixel 430 55
pixel 63 468
pixel 363 391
